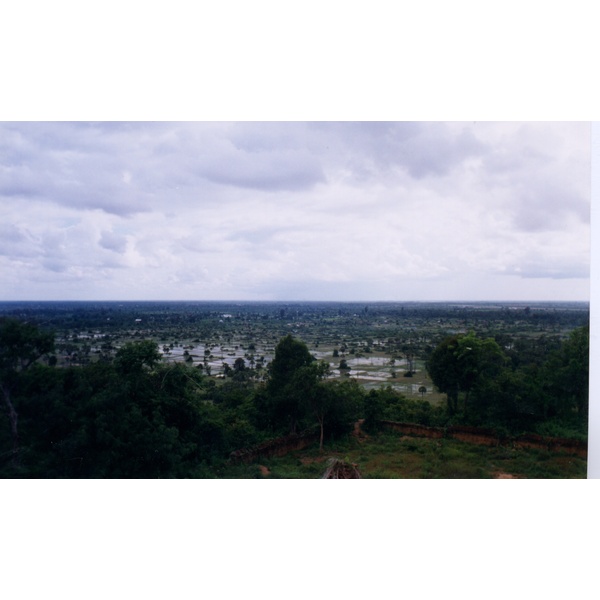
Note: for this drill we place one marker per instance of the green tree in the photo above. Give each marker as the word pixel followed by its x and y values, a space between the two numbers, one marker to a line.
pixel 564 377
pixel 287 382
pixel 343 405
pixel 146 423
pixel 317 398
pixel 21 345
pixel 374 408
pixel 388 404
pixel 290 355
pixel 443 369
pixel 134 357
pixel 576 353
pixel 479 360
pixel 462 363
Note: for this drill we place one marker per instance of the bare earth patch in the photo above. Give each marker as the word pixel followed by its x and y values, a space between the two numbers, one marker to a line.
pixel 309 461
pixel 358 433
pixel 503 475
pixel 264 471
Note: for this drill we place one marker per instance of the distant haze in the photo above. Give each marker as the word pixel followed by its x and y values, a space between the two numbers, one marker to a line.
pixel 295 211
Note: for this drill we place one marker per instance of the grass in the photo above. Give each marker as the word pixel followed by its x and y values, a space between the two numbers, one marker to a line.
pixel 389 455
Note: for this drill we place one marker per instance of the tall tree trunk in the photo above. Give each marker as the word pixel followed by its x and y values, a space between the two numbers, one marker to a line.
pixel 13 418
pixel 321 420
pixel 452 398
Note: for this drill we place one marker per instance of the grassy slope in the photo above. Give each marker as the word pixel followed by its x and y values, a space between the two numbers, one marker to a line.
pixel 390 456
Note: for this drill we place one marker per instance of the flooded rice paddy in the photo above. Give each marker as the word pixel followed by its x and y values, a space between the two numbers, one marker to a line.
pixel 370 371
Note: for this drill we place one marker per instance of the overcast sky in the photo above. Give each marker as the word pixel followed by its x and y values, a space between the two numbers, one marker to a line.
pixel 295 211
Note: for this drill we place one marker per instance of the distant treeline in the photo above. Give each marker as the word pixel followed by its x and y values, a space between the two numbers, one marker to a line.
pixel 115 314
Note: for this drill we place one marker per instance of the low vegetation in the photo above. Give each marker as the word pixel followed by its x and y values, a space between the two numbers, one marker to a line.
pixel 389 455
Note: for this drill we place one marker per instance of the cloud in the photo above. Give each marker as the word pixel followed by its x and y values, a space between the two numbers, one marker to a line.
pixel 16 242
pixel 269 171
pixel 114 242
pixel 543 270
pixel 233 210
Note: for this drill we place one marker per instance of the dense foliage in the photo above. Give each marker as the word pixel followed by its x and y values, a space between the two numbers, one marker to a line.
pixel 520 391
pixel 136 417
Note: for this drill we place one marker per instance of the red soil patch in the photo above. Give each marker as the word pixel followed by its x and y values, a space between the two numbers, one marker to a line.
pixel 503 475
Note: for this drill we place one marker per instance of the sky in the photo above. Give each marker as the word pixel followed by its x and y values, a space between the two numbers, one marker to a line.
pixel 336 211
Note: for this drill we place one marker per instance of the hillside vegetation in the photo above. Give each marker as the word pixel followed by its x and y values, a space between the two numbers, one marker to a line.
pixel 100 401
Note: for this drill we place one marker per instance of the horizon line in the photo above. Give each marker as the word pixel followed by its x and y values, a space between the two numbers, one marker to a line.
pixel 358 301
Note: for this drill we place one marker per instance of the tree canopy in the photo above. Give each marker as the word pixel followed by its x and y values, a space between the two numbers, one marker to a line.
pixel 21 344
pixel 496 389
